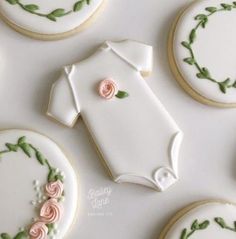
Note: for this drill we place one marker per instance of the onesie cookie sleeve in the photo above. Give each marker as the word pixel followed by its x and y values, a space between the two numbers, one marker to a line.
pixel 137 54
pixel 62 103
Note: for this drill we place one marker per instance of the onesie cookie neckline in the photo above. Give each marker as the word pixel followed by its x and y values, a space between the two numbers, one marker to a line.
pixel 56 189
pixel 194 22
pixel 48 21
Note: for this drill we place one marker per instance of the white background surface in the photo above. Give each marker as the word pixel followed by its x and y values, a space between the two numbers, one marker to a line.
pixel 208 154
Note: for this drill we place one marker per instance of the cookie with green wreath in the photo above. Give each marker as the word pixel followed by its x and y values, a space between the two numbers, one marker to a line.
pixel 39 191
pixel 202 51
pixel 49 20
pixel 206 219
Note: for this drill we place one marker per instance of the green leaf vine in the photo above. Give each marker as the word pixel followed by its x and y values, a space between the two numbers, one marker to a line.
pixel 202 72
pixel 221 222
pixel 53 15
pixel 196 226
pixel 29 150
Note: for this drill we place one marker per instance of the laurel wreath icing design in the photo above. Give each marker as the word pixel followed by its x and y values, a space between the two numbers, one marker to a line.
pixel 196 226
pixel 203 72
pixel 53 15
pixel 55 178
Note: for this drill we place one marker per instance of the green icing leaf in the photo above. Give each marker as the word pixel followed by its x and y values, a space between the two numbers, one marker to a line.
pixel 204 225
pixel 189 60
pixel 224 85
pixel 88 1
pixel 12 147
pixel 58 12
pixel 200 17
pixel 78 5
pixel 234 84
pixel 32 7
pixel 122 94
pixel 211 9
pixel 195 225
pixel 13 2
pixel 184 234
pixel 200 76
pixel 21 235
pixel 5 236
pixel 51 17
pixel 40 158
pixel 206 72
pixel 226 6
pixel 21 140
pixel 52 175
pixel 220 221
pixel 50 227
pixel 192 36
pixel 26 148
pixel 204 22
pixel 186 44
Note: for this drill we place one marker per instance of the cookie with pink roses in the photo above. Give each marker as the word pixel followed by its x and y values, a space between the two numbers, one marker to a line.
pixel 39 190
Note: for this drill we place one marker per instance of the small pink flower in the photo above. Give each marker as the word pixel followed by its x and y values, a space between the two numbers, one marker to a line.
pixel 51 211
pixel 54 189
pixel 107 88
pixel 38 231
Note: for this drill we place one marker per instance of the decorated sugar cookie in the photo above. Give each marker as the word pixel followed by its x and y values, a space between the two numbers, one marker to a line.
pixel 133 132
pixel 209 219
pixel 201 51
pixel 49 20
pixel 38 187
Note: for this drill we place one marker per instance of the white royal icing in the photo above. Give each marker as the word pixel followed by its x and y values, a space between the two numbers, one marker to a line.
pixel 137 138
pixel 209 211
pixel 213 48
pixel 23 180
pixel 42 25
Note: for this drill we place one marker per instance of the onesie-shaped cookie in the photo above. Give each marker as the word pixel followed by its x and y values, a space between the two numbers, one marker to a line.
pixel 134 134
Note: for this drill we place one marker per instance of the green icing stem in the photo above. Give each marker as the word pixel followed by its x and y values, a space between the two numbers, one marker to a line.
pixel 53 15
pixel 203 72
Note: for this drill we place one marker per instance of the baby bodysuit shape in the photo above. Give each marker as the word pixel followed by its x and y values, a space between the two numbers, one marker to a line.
pixel 135 135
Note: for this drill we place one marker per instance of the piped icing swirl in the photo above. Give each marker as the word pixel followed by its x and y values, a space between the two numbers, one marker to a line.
pixel 51 211
pixel 38 231
pixel 107 88
pixel 54 189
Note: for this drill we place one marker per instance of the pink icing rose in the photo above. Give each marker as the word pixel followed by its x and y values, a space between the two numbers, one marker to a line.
pixel 38 231
pixel 54 189
pixel 51 211
pixel 107 88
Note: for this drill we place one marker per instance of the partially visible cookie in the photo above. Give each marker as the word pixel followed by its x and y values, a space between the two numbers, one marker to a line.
pixel 202 51
pixel 206 219
pixel 39 191
pixel 49 20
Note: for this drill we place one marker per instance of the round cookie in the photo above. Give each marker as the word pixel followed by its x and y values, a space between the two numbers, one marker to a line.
pixel 201 51
pixel 49 20
pixel 39 191
pixel 206 219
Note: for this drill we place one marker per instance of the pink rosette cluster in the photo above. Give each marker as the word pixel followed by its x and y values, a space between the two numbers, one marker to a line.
pixel 107 88
pixel 51 211
pixel 54 189
pixel 38 231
